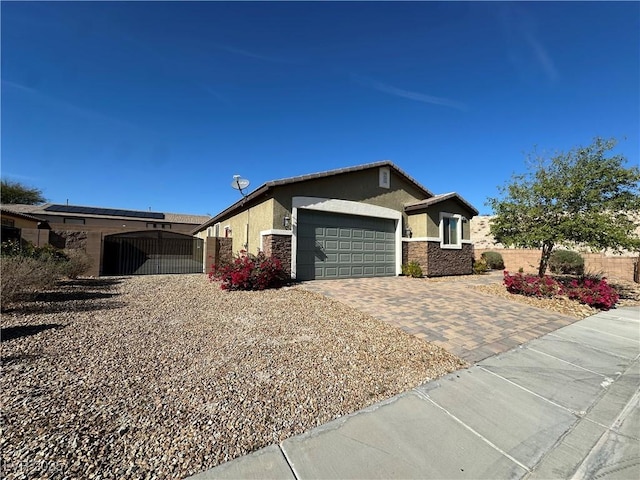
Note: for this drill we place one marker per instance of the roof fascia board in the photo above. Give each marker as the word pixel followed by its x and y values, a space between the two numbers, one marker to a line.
pixel 438 199
pixel 303 178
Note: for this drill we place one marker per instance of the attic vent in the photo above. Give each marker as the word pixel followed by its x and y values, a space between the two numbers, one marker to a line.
pixel 385 180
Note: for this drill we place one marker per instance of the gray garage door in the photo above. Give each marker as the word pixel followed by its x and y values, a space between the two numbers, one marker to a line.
pixel 344 246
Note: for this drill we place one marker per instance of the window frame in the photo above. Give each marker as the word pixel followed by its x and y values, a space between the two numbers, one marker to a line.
pixel 458 218
pixel 74 221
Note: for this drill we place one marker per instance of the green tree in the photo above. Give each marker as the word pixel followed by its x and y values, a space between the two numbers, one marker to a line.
pixel 585 196
pixel 15 192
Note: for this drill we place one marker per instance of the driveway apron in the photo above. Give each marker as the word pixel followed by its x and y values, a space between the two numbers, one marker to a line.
pixel 451 314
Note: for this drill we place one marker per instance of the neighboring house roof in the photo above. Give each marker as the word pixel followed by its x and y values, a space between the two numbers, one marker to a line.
pixel 107 213
pixel 437 199
pixel 266 187
pixel 8 210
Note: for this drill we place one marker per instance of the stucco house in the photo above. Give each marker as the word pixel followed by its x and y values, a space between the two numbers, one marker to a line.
pixel 13 222
pixel 119 241
pixel 361 221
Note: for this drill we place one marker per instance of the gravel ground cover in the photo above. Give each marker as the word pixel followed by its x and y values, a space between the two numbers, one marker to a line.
pixel 166 376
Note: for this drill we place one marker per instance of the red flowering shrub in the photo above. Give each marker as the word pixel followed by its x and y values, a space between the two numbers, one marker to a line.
pixel 250 272
pixel 593 291
pixel 532 285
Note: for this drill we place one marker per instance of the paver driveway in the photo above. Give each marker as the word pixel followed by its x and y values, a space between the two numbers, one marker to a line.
pixel 451 314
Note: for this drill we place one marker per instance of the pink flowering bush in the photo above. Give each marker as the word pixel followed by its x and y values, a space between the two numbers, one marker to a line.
pixel 592 291
pixel 250 272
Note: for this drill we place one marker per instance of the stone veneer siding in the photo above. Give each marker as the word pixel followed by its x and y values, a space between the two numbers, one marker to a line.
pixel 225 252
pixel 68 239
pixel 415 252
pixel 217 251
pixel 444 261
pixel 278 246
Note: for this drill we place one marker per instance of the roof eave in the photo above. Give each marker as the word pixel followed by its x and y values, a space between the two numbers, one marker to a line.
pixel 441 198
pixel 304 178
pixel 236 206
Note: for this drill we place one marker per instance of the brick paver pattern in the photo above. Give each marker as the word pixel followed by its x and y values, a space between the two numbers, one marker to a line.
pixel 451 314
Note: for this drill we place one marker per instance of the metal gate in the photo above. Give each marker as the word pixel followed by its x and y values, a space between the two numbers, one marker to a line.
pixel 151 253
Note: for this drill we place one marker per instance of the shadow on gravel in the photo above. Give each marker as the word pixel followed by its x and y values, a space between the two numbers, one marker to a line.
pixel 11 333
pixel 61 306
pixel 92 283
pixel 70 296
pixel 9 360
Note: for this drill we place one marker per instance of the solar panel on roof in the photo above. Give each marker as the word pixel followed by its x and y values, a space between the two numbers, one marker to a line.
pixel 104 211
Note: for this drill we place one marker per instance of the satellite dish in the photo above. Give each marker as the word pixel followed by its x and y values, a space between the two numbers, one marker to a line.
pixel 239 183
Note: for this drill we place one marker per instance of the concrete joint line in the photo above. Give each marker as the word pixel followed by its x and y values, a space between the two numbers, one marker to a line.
pixel 573 412
pixel 582 469
pixel 477 434
pixel 606 333
pixel 568 363
pixel 289 463
pixel 589 346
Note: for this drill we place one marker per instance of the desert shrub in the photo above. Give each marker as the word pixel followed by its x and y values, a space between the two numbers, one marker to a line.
pixel 250 272
pixel 27 249
pixel 27 269
pixel 412 269
pixel 494 260
pixel 480 266
pixel 22 275
pixel 590 290
pixel 12 248
pixel 566 262
pixel 77 263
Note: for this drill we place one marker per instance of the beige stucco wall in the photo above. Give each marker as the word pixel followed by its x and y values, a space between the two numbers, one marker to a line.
pixel 448 206
pixel 427 223
pixel 418 224
pixel 21 222
pixel 361 186
pixel 259 217
pixel 104 224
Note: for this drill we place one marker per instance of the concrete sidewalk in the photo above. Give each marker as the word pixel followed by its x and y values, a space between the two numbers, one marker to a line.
pixel 563 406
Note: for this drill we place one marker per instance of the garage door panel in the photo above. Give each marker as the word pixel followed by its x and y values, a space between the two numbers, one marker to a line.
pixel 369 271
pixel 341 246
pixel 329 257
pixel 345 272
pixel 331 245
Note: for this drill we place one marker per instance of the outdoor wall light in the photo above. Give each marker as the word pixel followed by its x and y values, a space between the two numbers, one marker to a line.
pixel 408 232
pixel 286 221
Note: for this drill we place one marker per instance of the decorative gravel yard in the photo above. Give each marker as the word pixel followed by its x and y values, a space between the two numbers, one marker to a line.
pixel 166 376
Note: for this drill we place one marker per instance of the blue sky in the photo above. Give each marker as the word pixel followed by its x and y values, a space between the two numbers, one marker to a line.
pixel 158 104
